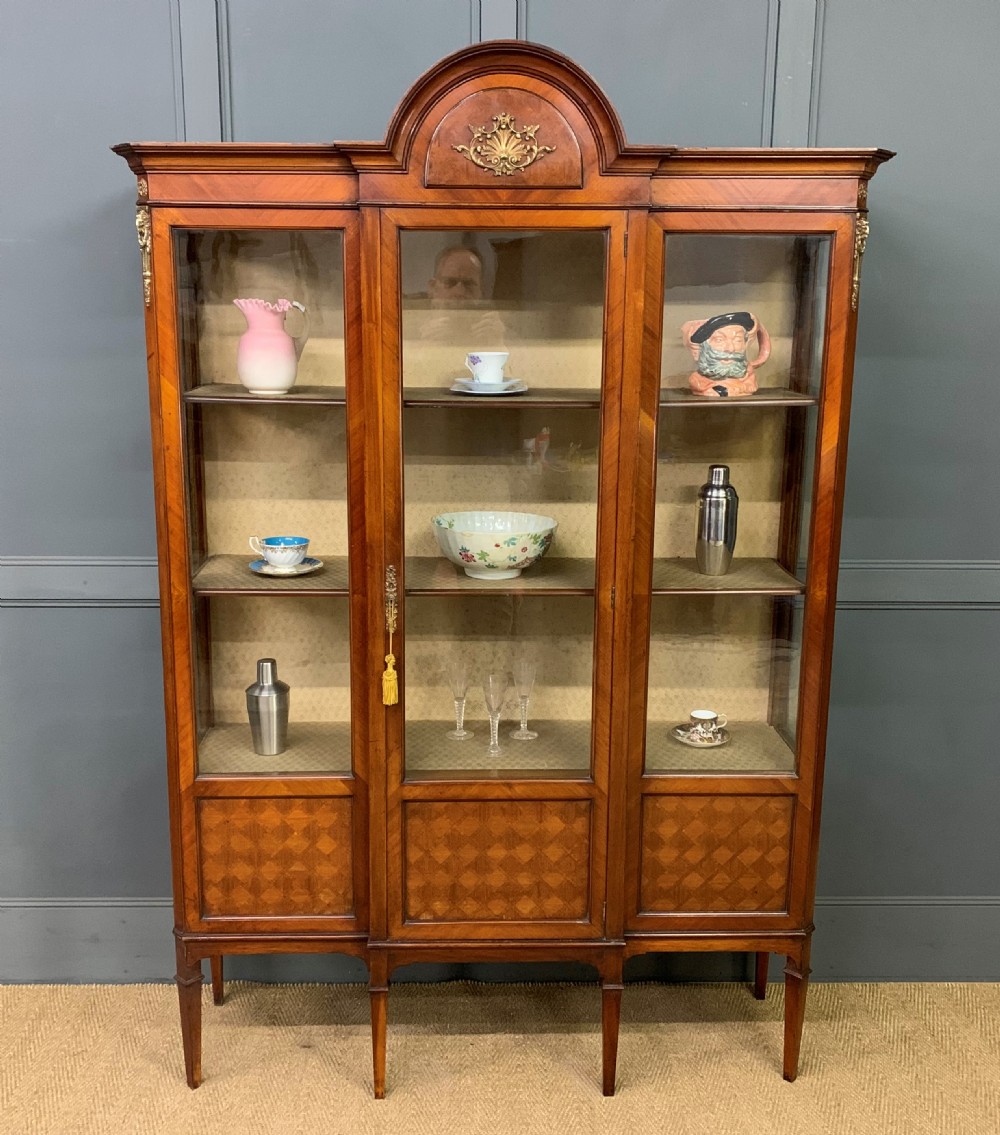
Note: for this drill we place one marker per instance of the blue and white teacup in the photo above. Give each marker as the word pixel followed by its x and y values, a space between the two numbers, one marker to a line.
pixel 281 551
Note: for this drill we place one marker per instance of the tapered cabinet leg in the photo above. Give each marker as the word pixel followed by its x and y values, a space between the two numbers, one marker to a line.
pixel 218 991
pixel 761 963
pixel 796 984
pixel 189 979
pixel 611 1011
pixel 378 991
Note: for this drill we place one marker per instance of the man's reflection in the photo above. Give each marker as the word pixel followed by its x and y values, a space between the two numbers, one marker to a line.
pixel 457 314
pixel 458 277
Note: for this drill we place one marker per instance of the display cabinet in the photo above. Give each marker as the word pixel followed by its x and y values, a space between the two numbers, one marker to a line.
pixel 485 367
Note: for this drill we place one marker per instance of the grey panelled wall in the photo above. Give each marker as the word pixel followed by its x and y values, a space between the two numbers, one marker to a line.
pixel 351 66
pixel 76 462
pixel 909 889
pixel 927 373
pixel 658 62
pixel 915 712
pixel 82 814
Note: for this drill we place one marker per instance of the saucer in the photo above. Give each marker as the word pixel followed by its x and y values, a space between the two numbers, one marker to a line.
pixel 262 567
pixel 682 733
pixel 509 386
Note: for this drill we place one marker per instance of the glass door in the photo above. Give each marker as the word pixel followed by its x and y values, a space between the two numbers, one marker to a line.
pixel 743 334
pixel 261 322
pixel 502 360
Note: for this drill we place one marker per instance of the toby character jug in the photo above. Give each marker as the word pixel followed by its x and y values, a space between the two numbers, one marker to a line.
pixel 720 345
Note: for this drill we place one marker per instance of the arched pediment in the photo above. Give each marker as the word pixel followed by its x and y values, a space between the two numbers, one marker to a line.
pixel 505 114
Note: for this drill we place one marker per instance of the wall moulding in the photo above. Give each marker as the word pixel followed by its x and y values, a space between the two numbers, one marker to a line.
pixel 905 944
pixel 78 581
pixel 864 584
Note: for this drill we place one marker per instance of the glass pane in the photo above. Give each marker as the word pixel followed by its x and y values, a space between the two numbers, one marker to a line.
pixel 543 647
pixel 266 457
pixel 267 470
pixel 308 637
pixel 743 332
pixel 539 296
pixel 735 656
pixel 500 490
pixel 218 266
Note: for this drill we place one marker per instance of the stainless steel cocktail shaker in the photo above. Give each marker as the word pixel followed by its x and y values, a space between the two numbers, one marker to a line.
pixel 716 538
pixel 267 706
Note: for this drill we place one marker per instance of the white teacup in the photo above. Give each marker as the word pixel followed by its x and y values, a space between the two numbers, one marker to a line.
pixel 281 551
pixel 486 367
pixel 706 723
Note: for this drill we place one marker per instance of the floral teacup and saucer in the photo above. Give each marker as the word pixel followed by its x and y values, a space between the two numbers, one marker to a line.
pixel 704 730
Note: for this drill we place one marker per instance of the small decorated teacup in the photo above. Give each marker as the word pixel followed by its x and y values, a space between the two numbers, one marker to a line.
pixel 706 725
pixel 281 551
pixel 486 367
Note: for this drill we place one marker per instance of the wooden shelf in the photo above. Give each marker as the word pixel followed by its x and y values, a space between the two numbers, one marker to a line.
pixel 754 747
pixel 534 397
pixel 676 396
pixel 231 575
pixel 231 392
pixel 539 396
pixel 313 747
pixel 434 575
pixel 562 748
pixel 746 577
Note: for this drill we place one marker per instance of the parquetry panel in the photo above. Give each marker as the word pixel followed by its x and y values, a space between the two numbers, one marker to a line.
pixel 497 860
pixel 715 853
pixel 263 857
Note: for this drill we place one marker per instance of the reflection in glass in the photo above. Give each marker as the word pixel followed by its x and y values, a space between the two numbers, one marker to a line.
pixel 539 296
pixel 529 444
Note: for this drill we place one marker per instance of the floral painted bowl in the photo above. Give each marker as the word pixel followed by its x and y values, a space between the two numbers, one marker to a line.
pixel 493 545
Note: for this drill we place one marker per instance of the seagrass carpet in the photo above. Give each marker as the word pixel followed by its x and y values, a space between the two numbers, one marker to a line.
pixel 469 1058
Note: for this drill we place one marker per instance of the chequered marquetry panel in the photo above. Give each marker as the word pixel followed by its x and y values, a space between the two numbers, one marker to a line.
pixel 496 860
pixel 715 853
pixel 264 857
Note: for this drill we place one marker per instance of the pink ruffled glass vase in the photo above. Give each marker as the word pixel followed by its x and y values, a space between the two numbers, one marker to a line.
pixel 267 357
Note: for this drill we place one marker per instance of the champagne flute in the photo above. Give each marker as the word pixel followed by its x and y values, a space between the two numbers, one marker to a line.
pixel 524 681
pixel 457 675
pixel 494 690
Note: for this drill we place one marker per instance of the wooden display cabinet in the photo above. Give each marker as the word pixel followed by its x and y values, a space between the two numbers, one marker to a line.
pixel 503 211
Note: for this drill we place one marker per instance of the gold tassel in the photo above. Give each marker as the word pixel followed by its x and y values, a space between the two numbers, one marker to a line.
pixel 390 688
pixel 390 685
